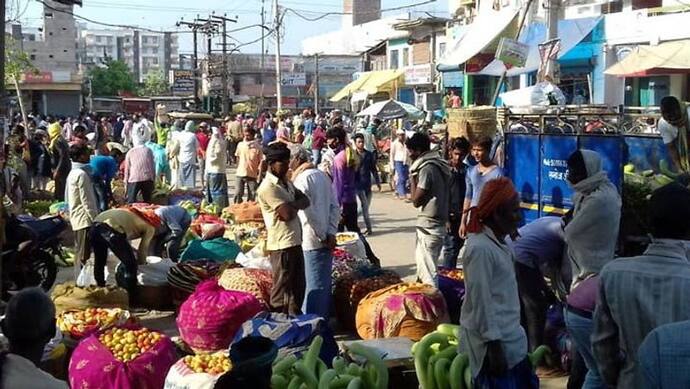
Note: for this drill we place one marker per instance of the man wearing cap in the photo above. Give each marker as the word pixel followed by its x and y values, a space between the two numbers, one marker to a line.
pixel 280 202
pixel 490 319
pixel 319 226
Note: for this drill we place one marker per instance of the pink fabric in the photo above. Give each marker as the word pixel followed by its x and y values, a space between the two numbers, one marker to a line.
pixel 211 316
pixel 94 366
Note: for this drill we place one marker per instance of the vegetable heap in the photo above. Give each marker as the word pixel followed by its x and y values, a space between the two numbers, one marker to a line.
pixel 312 373
pixel 439 365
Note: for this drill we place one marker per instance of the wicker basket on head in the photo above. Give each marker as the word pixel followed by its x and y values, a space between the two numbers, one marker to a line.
pixel 472 122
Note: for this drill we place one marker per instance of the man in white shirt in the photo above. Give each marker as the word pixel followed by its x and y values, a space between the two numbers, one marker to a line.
pixel 673 127
pixel 188 155
pixel 319 226
pixel 29 324
pixel 490 319
pixel 399 163
pixel 216 160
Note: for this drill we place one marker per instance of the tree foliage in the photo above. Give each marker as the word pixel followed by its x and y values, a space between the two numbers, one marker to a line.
pixel 112 79
pixel 17 62
pixel 155 84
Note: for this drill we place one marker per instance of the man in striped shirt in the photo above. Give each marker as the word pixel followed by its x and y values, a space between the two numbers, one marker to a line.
pixel 140 173
pixel 638 294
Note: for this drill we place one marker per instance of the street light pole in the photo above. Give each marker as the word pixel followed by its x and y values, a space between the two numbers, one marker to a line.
pixel 279 73
pixel 316 85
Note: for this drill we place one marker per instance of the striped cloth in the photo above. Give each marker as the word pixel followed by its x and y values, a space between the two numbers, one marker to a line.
pixel 139 165
pixel 637 295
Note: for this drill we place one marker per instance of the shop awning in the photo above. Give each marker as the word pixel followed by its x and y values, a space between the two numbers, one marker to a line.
pixel 372 83
pixel 666 58
pixel 485 30
pixel 571 32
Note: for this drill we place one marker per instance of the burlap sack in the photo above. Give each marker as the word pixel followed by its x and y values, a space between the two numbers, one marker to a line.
pixel 68 296
pixel 248 211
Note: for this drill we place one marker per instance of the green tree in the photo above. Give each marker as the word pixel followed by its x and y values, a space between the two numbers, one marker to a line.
pixel 17 63
pixel 110 80
pixel 155 84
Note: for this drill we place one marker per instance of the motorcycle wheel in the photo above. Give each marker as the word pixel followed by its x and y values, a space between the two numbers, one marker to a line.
pixel 43 270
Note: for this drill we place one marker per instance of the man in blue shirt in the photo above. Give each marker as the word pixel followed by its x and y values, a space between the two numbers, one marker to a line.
pixel 103 170
pixel 175 222
pixel 664 356
pixel 539 246
pixel 367 169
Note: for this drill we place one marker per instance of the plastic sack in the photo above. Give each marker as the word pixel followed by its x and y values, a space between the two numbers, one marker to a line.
pixel 86 277
pixel 211 316
pixel 254 281
pixel 181 376
pixel 537 94
pixel 153 273
pixel 93 366
pixel 407 310
pixel 291 334
pixel 218 249
pixel 254 259
pixel 71 297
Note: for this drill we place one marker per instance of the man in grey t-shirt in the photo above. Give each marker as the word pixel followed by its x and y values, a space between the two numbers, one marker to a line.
pixel 430 176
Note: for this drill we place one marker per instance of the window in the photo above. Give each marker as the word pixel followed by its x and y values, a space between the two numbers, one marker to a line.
pixel 64 51
pixel 154 50
pixel 49 15
pixel 406 57
pixel 98 39
pixel 154 61
pixel 394 59
pixel 50 33
pixel 50 56
pixel 441 50
pixel 33 57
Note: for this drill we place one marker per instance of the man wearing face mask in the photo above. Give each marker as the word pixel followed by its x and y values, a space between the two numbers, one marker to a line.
pixel 641 293
pixel 490 319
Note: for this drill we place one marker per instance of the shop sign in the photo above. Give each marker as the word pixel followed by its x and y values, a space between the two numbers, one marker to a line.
pixel 294 79
pixel 38 78
pixel 418 75
pixel 182 81
pixel 512 52
pixel 478 62
pixel 290 102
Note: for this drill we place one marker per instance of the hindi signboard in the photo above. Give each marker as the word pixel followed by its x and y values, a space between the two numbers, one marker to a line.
pixel 512 52
pixel 182 82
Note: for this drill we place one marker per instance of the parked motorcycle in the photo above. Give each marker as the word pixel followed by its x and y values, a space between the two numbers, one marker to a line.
pixel 29 256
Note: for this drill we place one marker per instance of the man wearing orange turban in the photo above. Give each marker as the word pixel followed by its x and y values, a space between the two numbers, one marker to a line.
pixel 490 320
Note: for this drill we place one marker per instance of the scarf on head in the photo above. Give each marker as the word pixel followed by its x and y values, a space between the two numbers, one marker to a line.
pixel 55 134
pixel 190 126
pixel 596 176
pixel 495 193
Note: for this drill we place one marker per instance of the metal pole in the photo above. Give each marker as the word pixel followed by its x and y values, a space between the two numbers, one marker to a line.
pixel 196 70
pixel 279 73
pixel 552 12
pixel 263 55
pixel 224 75
pixel 3 117
pixel 517 36
pixel 316 86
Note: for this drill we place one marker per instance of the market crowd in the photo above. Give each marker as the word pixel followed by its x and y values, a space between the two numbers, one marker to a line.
pixel 312 177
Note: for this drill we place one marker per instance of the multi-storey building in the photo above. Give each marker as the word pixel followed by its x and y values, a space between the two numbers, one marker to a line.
pixel 142 51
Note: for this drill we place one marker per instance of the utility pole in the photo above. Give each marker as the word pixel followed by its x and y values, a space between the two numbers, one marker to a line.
pixel 263 54
pixel 194 26
pixel 553 8
pixel 224 80
pixel 279 73
pixel 316 84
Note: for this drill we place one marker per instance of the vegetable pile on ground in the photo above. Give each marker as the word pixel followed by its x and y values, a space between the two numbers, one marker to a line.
pixel 79 323
pixel 312 373
pixel 215 364
pixel 126 344
pixel 439 365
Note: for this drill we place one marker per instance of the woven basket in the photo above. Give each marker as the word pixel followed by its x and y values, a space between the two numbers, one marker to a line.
pixel 472 123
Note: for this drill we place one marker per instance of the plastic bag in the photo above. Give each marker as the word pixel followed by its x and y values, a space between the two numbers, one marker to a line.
pixel 353 246
pixel 86 277
pixel 153 273
pixel 533 95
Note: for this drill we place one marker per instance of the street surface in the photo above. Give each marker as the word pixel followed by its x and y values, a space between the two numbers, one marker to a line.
pixel 393 241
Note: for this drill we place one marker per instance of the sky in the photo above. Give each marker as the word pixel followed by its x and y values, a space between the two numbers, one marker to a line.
pixel 154 15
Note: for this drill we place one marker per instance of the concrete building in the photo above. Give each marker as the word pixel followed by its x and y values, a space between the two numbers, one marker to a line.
pixel 53 50
pixel 142 51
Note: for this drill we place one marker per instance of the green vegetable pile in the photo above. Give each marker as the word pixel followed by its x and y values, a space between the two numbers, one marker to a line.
pixel 439 365
pixel 37 208
pixel 209 209
pixel 310 372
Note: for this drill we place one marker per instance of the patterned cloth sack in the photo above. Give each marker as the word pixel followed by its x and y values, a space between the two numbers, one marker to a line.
pixel 352 288
pixel 257 282
pixel 452 285
pixel 218 249
pixel 94 366
pixel 68 296
pixel 291 334
pixel 211 316
pixel 409 310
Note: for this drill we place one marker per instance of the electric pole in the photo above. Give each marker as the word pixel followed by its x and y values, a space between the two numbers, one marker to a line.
pixel 553 8
pixel 316 84
pixel 194 26
pixel 279 73
pixel 263 54
pixel 224 80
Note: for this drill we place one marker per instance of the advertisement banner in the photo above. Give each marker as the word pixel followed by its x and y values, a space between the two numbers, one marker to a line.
pixel 512 52
pixel 418 75
pixel 38 78
pixel 294 79
pixel 182 82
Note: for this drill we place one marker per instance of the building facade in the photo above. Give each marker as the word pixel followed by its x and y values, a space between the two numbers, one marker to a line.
pixel 56 87
pixel 142 51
